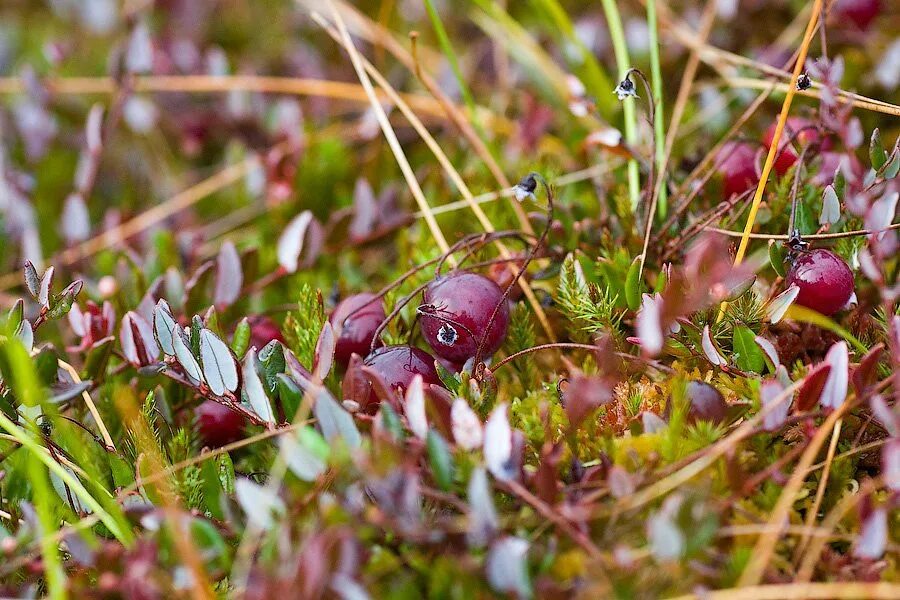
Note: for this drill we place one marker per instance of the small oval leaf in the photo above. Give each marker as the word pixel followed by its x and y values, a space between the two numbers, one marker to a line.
pixel 219 365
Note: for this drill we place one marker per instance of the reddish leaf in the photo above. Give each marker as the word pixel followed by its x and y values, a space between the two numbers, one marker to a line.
pixel 583 396
pixel 324 356
pixel 382 391
pixel 355 386
pixel 865 374
pixel 546 478
pixel 811 390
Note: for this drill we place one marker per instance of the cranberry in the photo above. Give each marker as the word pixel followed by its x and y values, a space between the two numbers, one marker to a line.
pixel 218 425
pixel 860 12
pixel 824 279
pixel 798 131
pixel 355 320
pixel 263 330
pixel 397 365
pixel 455 315
pixel 706 403
pixel 737 167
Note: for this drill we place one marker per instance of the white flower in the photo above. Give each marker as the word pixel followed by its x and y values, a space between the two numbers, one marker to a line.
pixel 625 89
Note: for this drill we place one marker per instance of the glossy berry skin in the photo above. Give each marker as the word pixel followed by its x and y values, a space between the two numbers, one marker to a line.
pixel 737 167
pixel 263 330
pixel 706 403
pixel 397 365
pixel 355 320
pixel 456 311
pixel 824 279
pixel 798 132
pixel 217 424
pixel 859 12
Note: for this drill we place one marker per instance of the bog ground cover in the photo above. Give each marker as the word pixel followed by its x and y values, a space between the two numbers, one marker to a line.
pixel 427 298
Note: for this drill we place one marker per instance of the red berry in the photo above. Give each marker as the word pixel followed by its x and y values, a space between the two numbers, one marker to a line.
pixel 706 403
pixel 218 425
pixel 798 132
pixel 355 320
pixel 456 312
pixel 263 330
pixel 737 167
pixel 397 365
pixel 824 279
pixel 860 12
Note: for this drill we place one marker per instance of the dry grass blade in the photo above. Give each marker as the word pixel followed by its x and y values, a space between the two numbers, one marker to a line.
pixel 391 137
pixel 798 591
pixel 776 139
pixel 452 173
pixel 713 453
pixel 760 84
pixel 200 84
pixel 765 545
pixel 377 35
pixel 820 491
pixel 831 520
pixel 107 439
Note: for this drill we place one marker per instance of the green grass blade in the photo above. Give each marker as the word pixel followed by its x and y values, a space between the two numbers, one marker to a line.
pixel 27 388
pixel 450 54
pixel 595 77
pixel 54 575
pixel 659 132
pixel 623 63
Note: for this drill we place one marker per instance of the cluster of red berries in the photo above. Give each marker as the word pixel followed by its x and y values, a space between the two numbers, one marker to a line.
pixel 824 280
pixel 460 311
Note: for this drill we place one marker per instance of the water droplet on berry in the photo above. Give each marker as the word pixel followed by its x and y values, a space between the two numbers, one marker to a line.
pixel 468 300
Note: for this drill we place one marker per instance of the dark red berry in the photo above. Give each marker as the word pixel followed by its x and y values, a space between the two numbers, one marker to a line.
pixel 456 312
pixel 355 320
pixel 706 403
pixel 737 167
pixel 798 132
pixel 859 12
pixel 824 279
pixel 263 330
pixel 397 365
pixel 217 424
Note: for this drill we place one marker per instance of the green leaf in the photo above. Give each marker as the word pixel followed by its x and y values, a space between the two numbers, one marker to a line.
pixel 840 183
pixel 893 166
pixel 208 539
pixel 272 359
pixel 804 220
pixel 633 285
pixel 440 460
pixel 289 394
pixel 391 422
pixel 748 354
pixel 777 257
pixel 241 339
pixel 97 358
pixel 212 489
pixel 877 154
